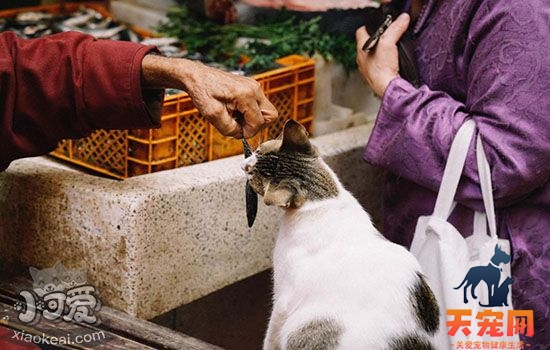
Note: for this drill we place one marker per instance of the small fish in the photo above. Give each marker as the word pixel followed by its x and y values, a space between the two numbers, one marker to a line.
pixel 78 21
pixel 251 196
pixel 109 33
pixel 160 41
pixel 35 31
pixel 32 17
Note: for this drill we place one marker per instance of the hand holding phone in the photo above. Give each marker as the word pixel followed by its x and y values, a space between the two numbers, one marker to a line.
pixel 377 22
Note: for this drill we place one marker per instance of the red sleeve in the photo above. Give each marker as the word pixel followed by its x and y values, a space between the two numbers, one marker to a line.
pixel 65 86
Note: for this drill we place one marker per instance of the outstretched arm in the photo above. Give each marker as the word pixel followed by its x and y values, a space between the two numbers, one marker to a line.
pixel 218 95
pixel 67 85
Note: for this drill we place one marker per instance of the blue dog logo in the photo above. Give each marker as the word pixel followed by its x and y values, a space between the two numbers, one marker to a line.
pixel 490 274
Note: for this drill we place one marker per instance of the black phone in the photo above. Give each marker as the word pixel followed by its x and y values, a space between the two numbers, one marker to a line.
pixel 370 44
pixel 377 21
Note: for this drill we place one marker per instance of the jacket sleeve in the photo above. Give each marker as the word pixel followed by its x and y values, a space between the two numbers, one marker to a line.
pixel 508 89
pixel 67 85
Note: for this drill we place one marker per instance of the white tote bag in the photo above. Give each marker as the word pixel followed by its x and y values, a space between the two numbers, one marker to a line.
pixel 446 257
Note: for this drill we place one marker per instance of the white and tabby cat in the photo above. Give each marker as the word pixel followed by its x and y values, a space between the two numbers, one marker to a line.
pixel 338 283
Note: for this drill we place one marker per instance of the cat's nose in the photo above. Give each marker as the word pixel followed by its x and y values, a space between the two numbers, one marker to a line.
pixel 246 167
pixel 248 164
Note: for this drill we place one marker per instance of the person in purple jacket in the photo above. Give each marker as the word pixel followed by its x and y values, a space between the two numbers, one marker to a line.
pixel 486 60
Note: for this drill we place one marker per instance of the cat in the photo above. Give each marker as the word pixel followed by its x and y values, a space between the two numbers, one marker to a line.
pixel 500 297
pixel 338 283
pixel 47 280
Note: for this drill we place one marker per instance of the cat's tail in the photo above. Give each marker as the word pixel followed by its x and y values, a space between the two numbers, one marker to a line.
pixel 461 284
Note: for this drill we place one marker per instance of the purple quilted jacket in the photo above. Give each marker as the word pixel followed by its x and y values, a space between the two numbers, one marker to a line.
pixel 488 60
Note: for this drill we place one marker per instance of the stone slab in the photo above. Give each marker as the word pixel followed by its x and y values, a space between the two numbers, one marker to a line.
pixel 154 242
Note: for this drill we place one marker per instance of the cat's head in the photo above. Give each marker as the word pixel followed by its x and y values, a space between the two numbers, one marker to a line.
pixel 288 171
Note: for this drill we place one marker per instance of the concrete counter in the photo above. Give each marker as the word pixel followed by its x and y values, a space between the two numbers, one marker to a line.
pixel 154 242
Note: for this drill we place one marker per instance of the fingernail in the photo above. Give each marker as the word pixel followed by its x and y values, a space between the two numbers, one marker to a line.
pixel 403 17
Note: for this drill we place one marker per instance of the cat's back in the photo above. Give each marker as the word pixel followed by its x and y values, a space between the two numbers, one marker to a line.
pixel 336 242
pixel 330 260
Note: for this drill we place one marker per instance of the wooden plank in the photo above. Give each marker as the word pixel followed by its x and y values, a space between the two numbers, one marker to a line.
pixel 162 336
pixel 117 329
pixel 64 335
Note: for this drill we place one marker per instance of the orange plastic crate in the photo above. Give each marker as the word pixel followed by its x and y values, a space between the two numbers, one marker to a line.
pixel 59 8
pixel 184 137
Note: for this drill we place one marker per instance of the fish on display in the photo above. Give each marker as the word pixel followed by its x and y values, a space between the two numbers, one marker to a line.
pixel 32 17
pixel 36 24
pixel 92 22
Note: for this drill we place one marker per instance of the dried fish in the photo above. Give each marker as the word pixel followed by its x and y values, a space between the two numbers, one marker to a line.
pixel 32 17
pixel 77 21
pixel 86 20
pixel 132 36
pixel 169 50
pixel 106 33
pixel 34 31
pixel 251 197
pixel 160 41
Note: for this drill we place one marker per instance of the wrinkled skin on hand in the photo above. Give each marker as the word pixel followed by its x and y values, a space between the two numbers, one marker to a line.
pixel 219 96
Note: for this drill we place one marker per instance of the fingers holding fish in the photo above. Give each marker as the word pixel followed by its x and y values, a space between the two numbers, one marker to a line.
pixel 268 110
pixel 221 119
pixel 253 119
pixel 221 97
pixel 256 112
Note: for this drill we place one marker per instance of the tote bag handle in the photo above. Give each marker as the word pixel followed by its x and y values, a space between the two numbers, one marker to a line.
pixel 451 177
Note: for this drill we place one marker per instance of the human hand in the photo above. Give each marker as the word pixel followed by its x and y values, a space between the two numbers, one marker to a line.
pixel 233 104
pixel 381 65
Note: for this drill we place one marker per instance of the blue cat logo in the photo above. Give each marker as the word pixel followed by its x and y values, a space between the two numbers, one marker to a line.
pixel 490 274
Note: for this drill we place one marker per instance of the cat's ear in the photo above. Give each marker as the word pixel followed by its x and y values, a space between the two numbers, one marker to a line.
pixel 295 139
pixel 58 267
pixel 285 194
pixel 34 272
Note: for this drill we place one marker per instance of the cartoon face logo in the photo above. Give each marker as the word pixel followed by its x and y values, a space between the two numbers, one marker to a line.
pixel 47 280
pixel 56 279
pixel 58 293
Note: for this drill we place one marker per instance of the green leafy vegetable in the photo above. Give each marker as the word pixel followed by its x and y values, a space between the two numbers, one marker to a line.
pixel 276 36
